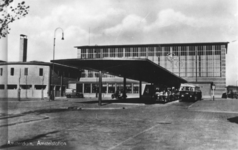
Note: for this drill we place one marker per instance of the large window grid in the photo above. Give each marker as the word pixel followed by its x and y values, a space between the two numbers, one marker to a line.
pixel 208 57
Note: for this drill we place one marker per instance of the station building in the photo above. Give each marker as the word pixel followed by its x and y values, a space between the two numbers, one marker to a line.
pixel 203 64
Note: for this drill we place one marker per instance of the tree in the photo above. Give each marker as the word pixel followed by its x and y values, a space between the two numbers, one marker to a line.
pixel 9 14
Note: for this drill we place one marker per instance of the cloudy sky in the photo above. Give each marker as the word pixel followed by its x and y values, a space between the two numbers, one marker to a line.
pixel 125 22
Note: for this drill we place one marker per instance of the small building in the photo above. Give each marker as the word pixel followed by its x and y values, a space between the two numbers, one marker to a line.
pixel 33 79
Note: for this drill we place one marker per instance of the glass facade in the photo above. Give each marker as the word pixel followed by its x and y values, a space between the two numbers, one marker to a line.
pixel 184 61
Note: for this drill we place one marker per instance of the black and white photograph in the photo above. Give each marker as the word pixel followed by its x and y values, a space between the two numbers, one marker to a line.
pixel 118 75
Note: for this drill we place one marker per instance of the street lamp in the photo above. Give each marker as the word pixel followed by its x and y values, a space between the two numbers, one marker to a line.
pixel 52 92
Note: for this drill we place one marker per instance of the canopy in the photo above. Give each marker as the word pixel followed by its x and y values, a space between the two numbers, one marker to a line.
pixel 136 69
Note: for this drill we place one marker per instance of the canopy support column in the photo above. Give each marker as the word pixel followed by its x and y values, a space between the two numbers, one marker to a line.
pixel 100 89
pixel 124 87
pixel 140 88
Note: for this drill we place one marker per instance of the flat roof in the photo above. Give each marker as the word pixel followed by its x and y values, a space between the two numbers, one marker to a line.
pixel 40 63
pixel 136 69
pixel 153 45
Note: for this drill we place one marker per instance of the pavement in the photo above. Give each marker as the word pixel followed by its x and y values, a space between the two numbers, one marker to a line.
pixel 15 107
pixel 125 124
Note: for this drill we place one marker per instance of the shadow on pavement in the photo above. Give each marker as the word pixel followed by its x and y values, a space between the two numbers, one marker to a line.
pixel 233 120
pixel 128 100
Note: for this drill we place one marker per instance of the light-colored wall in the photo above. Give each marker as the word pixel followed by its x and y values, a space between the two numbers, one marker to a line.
pixel 19 78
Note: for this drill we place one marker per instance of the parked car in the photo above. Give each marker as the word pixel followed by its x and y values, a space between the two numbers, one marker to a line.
pixel 118 95
pixel 189 92
pixel 73 93
pixel 166 94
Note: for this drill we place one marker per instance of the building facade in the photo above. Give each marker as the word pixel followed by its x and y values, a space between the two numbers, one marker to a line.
pixel 200 63
pixel 33 79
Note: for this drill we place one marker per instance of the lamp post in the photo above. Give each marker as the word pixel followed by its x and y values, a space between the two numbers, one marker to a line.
pixel 52 97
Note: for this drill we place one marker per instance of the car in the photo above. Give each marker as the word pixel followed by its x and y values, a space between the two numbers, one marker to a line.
pixel 73 93
pixel 189 92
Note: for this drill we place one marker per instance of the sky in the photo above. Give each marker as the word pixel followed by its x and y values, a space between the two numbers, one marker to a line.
pixel 108 22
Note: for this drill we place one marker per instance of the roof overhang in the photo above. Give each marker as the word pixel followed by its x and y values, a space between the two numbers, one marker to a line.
pixel 136 69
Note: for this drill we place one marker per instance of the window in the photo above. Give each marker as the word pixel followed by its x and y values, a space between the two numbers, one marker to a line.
pixel 1 71
pixel 12 71
pixel 95 88
pixel 105 52
pixel 217 49
pixel 2 86
pixel 175 50
pixel 97 51
pixel 40 87
pixel 120 52
pixel 135 52
pixel 111 88
pixel 208 50
pixel 191 50
pixel 87 88
pixel 200 50
pixel 128 52
pixel 143 51
pixel 90 74
pixel 83 53
pixel 158 51
pixel 90 53
pixel 26 71
pixel 112 52
pixel 183 51
pixel 166 51
pixel 41 72
pixel 11 86
pixel 25 86
pixel 136 88
pixel 151 51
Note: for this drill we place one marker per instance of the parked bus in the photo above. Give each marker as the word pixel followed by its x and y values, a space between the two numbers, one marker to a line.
pixel 189 92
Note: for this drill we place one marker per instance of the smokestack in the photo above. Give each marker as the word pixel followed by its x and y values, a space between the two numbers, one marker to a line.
pixel 23 48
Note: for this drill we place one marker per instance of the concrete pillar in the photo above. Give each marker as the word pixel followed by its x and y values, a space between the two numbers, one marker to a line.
pixel 124 87
pixel 83 88
pixel 107 88
pixel 140 88
pixel 132 86
pixel 61 85
pixel 100 89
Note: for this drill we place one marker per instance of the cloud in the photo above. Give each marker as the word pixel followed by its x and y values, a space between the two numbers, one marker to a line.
pixel 130 23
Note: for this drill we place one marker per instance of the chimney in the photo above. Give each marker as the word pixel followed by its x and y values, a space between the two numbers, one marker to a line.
pixel 23 48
